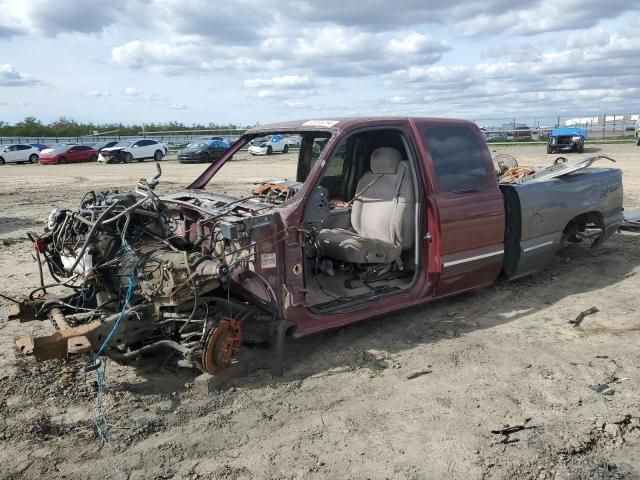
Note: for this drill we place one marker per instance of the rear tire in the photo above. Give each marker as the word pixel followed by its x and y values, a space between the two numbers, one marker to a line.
pixel 285 149
pixel 33 158
pixel 158 156
pixel 62 160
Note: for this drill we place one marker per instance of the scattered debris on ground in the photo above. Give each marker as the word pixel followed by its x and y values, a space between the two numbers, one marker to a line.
pixel 578 320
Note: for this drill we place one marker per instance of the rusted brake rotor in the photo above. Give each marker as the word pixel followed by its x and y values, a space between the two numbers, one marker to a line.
pixel 221 346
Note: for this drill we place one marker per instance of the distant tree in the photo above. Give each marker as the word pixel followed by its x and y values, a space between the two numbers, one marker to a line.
pixel 30 126
pixel 68 127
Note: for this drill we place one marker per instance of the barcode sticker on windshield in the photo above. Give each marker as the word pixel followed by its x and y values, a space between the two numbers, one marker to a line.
pixel 268 260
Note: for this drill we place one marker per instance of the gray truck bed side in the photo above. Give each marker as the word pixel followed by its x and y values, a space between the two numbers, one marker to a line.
pixel 538 213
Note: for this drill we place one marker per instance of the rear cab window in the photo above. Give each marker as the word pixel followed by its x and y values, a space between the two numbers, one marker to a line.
pixel 457 157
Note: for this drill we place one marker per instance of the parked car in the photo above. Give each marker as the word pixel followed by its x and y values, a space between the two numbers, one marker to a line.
pixel 389 213
pixel 638 132
pixel 102 145
pixel 521 131
pixel 293 140
pixel 566 139
pixel 129 150
pixel 69 154
pixel 39 146
pixel 495 136
pixel 228 139
pixel 18 153
pixel 268 145
pixel 55 146
pixel 202 151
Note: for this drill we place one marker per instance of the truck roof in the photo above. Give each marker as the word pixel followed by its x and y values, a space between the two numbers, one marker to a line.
pixel 333 124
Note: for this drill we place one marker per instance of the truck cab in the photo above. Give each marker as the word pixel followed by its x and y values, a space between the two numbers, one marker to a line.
pixel 392 212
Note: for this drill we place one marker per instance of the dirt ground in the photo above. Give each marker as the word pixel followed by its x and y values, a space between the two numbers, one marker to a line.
pixel 346 407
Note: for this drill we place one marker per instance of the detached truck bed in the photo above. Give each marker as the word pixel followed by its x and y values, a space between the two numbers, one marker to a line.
pixel 543 216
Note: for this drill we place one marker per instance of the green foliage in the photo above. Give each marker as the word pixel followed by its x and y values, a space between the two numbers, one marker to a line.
pixel 67 127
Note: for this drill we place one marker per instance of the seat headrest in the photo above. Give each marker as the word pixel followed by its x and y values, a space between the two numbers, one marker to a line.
pixel 385 160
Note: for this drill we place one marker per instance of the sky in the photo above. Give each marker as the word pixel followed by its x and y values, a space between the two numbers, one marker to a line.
pixel 247 62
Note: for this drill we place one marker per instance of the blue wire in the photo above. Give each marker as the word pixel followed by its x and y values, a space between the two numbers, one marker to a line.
pixel 99 416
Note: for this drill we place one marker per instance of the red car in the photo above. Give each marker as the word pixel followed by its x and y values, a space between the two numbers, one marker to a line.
pixel 60 154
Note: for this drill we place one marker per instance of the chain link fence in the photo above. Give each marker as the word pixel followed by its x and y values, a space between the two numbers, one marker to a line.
pixel 604 126
pixel 171 138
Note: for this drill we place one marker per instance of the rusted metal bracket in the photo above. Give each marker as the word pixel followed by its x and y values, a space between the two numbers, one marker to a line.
pixel 86 337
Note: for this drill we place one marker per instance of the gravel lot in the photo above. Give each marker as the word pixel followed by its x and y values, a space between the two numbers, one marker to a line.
pixel 345 408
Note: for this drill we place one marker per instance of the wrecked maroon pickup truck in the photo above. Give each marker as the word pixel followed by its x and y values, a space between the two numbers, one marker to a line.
pixel 384 213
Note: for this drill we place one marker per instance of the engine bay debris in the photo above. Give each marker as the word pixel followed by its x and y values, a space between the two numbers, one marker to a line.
pixel 133 272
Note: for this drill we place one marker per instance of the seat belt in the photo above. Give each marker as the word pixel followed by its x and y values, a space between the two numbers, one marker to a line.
pixel 402 170
pixel 359 194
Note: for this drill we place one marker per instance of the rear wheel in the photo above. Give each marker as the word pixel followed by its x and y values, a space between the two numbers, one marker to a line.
pixel 158 155
pixel 33 158
pixel 62 160
pixel 285 149
pixel 269 150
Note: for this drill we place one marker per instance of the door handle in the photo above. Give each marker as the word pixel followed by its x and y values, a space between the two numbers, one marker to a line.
pixel 428 237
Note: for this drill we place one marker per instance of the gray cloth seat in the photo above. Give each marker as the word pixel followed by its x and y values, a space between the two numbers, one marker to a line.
pixel 382 214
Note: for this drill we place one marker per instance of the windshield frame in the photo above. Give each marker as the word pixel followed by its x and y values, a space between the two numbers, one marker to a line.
pixel 246 140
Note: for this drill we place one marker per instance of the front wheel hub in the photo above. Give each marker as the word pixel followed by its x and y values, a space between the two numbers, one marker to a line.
pixel 221 346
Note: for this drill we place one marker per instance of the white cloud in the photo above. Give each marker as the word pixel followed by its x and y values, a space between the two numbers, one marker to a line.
pixel 565 76
pixel 50 17
pixel 98 93
pixel 177 106
pixel 546 16
pixel 296 104
pixel 132 92
pixel 10 77
pixel 285 81
pixel 376 53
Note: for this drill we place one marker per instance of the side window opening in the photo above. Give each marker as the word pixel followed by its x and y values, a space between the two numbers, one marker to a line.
pixel 457 157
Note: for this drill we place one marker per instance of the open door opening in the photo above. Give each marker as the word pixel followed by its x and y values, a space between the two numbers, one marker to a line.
pixel 365 241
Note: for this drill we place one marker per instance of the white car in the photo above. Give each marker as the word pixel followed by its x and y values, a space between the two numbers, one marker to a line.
pixel 129 150
pixel 268 145
pixel 18 153
pixel 293 140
